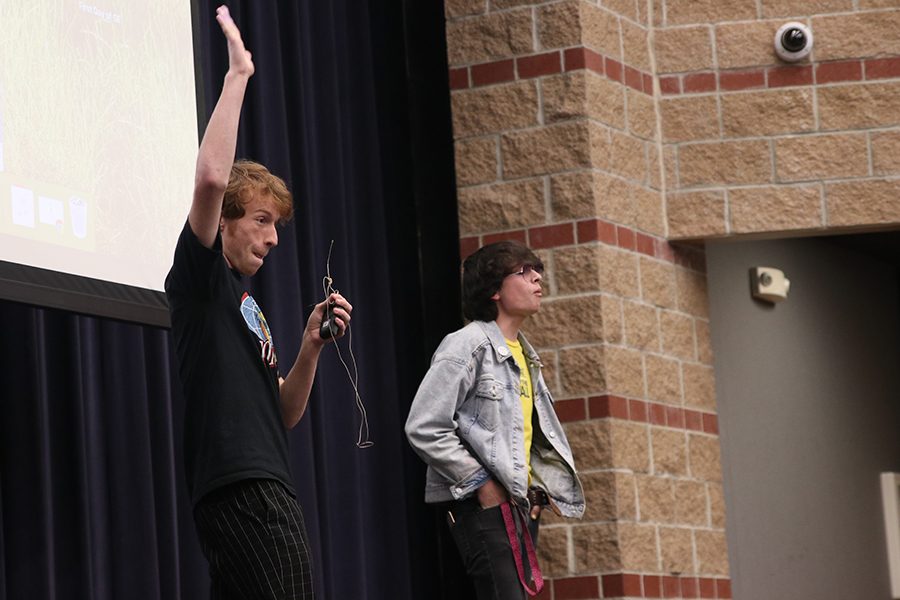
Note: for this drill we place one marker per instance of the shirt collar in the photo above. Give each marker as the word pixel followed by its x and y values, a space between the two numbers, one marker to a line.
pixel 501 349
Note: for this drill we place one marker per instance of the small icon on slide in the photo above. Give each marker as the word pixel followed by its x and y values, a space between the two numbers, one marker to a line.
pixel 51 212
pixel 78 212
pixel 22 206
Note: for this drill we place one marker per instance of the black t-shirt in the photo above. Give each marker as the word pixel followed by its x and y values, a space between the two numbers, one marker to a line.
pixel 228 367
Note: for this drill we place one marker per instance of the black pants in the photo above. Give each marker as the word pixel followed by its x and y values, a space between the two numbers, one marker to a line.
pixel 483 543
pixel 253 535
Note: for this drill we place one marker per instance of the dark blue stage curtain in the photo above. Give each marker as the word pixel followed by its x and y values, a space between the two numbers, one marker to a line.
pixel 350 105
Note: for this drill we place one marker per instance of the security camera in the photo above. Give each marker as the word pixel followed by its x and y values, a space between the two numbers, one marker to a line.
pixel 793 41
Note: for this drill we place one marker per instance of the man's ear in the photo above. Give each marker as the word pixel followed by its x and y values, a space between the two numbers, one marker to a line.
pixel 496 296
pixel 221 223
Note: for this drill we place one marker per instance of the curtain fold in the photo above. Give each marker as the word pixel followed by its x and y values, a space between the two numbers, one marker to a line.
pixel 89 491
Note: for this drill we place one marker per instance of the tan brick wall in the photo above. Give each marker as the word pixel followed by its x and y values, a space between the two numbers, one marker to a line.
pixel 562 143
pixel 597 131
pixel 755 145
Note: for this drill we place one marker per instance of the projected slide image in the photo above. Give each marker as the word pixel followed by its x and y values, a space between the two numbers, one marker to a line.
pixel 98 135
pixel 45 213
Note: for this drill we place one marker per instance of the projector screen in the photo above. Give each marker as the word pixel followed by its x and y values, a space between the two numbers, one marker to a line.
pixel 98 141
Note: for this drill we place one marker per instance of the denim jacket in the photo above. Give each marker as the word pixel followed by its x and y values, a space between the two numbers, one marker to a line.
pixel 466 423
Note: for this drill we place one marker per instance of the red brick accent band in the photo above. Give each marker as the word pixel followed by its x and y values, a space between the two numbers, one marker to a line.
pixel 495 72
pixel 882 68
pixel 634 585
pixel 787 76
pixel 741 80
pixel 459 78
pixel 638 411
pixel 539 65
pixel 550 63
pixel 576 587
pixel 664 586
pixel 574 59
pixel 592 230
pixel 701 82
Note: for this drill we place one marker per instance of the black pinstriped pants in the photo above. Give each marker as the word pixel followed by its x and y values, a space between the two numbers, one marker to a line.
pixel 253 536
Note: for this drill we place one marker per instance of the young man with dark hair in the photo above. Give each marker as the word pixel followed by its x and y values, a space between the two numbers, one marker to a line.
pixel 483 421
pixel 238 407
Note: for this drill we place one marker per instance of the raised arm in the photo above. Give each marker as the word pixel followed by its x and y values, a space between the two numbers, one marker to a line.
pixel 217 148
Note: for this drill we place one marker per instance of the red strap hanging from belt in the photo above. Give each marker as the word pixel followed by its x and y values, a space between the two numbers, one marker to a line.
pixel 508 508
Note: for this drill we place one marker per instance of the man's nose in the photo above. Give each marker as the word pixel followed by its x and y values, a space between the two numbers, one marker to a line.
pixel 272 237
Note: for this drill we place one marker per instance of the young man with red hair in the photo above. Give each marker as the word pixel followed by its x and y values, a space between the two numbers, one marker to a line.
pixel 238 407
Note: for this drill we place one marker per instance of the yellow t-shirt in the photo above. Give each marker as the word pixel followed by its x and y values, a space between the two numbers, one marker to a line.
pixel 526 397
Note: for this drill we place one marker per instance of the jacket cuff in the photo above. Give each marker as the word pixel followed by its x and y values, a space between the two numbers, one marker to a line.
pixel 469 484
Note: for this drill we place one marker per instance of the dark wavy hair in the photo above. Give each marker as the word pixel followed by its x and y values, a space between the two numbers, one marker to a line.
pixel 483 274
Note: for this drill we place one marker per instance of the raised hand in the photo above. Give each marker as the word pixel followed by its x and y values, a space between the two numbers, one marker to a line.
pixel 239 59
pixel 491 494
pixel 342 309
pixel 219 141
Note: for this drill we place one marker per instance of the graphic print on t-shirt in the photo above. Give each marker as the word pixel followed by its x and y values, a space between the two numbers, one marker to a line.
pixel 524 385
pixel 256 322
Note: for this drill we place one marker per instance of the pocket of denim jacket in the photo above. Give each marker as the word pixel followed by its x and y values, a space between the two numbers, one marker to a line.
pixel 488 395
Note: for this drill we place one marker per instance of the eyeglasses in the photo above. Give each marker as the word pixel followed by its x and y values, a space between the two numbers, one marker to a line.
pixel 527 269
